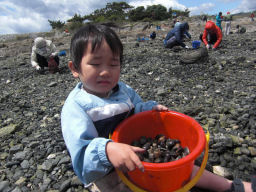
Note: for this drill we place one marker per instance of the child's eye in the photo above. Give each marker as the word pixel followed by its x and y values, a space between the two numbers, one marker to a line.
pixel 114 64
pixel 94 64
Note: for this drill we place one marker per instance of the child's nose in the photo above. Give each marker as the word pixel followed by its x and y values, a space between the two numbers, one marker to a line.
pixel 104 72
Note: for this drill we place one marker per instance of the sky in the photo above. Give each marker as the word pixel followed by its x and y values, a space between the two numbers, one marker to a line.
pixel 26 16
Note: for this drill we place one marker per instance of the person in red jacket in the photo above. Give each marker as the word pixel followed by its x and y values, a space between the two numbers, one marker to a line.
pixel 252 16
pixel 212 35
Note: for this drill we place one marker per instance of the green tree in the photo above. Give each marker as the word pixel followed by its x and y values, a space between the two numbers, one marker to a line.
pixel 186 13
pixel 170 11
pixel 77 18
pixel 116 11
pixel 137 14
pixel 98 14
pixel 156 12
pixel 56 24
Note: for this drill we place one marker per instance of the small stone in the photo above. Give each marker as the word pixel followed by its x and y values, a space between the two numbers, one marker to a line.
pixel 20 181
pixel 221 171
pixel 252 151
pixel 4 185
pixel 52 84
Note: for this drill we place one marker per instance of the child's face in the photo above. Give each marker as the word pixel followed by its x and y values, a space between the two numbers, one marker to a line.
pixel 100 70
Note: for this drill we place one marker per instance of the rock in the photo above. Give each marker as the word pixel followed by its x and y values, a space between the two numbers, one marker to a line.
pixel 4 185
pixel 252 151
pixel 219 92
pixel 8 129
pixel 65 185
pixel 52 84
pixel 197 55
pixel 20 181
pixel 25 164
pixel 222 171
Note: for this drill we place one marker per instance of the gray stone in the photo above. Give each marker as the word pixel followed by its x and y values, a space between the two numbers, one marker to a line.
pixel 4 185
pixel 52 84
pixel 8 129
pixel 25 164
pixel 65 185
pixel 219 92
pixel 16 148
pixel 20 155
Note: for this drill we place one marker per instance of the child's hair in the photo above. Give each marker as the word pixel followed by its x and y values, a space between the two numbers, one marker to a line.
pixel 95 34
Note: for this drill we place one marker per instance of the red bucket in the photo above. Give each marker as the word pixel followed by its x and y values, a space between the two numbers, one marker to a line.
pixel 163 177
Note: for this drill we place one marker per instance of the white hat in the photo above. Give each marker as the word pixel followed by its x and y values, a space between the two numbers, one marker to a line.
pixel 41 46
pixel 40 42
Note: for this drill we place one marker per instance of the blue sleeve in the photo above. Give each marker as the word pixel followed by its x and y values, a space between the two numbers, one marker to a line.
pixel 87 152
pixel 168 36
pixel 178 36
pixel 188 34
pixel 138 103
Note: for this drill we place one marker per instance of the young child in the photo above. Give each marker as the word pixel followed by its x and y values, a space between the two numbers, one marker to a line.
pixel 98 104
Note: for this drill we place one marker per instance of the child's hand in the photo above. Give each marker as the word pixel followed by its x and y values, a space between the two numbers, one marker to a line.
pixel 123 156
pixel 160 108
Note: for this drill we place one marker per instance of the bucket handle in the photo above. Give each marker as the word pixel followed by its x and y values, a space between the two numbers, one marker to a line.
pixel 185 188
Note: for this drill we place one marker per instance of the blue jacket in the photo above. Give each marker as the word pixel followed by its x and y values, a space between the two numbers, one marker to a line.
pixel 218 21
pixel 87 121
pixel 178 31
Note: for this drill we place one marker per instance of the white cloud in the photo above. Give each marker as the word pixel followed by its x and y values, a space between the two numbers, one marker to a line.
pixel 206 7
pixel 17 19
pixel 246 6
pixel 32 16
pixel 22 16
pixel 226 1
pixel 173 3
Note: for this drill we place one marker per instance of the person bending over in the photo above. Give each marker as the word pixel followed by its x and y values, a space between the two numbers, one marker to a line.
pixel 212 35
pixel 176 35
pixel 43 55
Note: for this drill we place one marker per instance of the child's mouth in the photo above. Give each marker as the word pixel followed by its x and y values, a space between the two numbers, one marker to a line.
pixel 104 82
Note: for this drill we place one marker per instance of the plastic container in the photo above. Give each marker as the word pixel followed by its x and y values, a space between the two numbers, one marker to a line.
pixel 163 177
pixel 62 53
pixel 196 44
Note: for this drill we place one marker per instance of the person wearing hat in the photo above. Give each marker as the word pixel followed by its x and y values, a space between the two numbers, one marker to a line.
pixel 228 19
pixel 212 35
pixel 176 36
pixel 44 54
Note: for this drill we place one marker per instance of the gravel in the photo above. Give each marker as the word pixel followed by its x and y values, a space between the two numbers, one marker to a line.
pixel 219 92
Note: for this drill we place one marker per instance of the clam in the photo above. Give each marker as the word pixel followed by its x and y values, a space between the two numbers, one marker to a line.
pixel 160 149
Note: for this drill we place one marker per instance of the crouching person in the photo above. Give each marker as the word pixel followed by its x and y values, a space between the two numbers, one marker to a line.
pixel 176 35
pixel 43 55
pixel 212 35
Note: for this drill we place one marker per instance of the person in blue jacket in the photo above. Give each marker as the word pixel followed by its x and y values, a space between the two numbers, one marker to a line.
pixel 176 35
pixel 153 35
pixel 97 104
pixel 219 19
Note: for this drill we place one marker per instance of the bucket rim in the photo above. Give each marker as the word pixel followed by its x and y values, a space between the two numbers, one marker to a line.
pixel 177 163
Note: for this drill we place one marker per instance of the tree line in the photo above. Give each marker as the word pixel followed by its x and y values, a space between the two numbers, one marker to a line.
pixel 119 12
